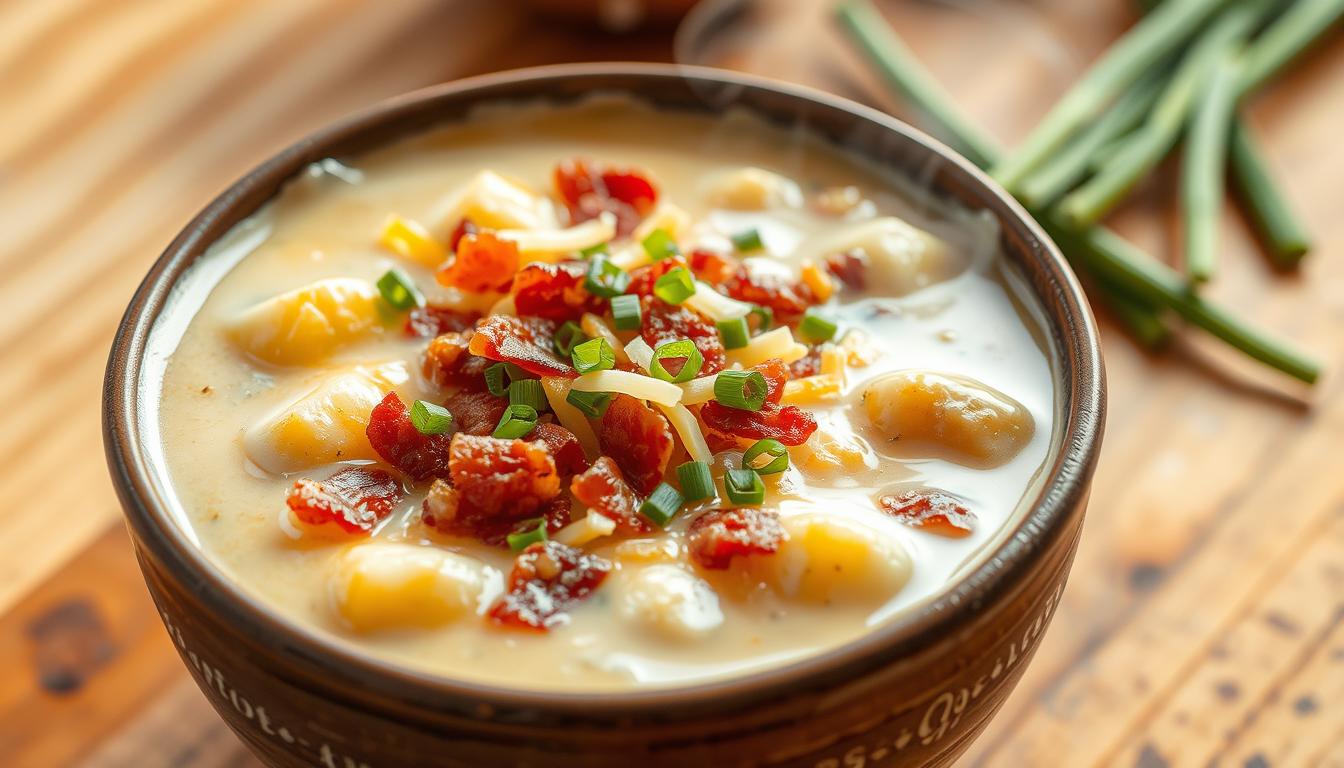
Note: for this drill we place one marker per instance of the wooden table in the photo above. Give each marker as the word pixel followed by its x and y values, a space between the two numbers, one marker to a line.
pixel 1205 619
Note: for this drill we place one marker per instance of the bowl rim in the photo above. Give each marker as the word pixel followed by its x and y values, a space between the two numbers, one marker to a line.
pixel 1062 492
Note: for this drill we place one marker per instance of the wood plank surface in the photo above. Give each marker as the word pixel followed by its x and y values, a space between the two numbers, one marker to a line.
pixel 1203 624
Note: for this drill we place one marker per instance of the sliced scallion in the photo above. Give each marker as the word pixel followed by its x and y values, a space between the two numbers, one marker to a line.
pixel 626 313
pixel 494 379
pixel 567 337
pixel 814 328
pixel 767 457
pixel 660 245
pixel 398 289
pixel 671 352
pixel 430 419
pixel 747 241
pixel 516 421
pixel 592 404
pixel 593 355
pixel 530 532
pixel 605 279
pixel 675 286
pixel 662 505
pixel 764 316
pixel 734 332
pixel 528 392
pixel 744 390
pixel 696 481
pixel 744 486
pixel 593 250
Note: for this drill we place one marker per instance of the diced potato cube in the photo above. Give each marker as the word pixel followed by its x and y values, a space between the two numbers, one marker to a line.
pixel 829 450
pixel 970 422
pixel 670 602
pixel 753 189
pixel 385 586
pixel 815 390
pixel 492 201
pixel 902 259
pixel 407 238
pixel 308 324
pixel 324 426
pixel 832 559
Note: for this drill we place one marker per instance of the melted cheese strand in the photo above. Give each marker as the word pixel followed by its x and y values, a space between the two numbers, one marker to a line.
pixel 571 418
pixel 689 429
pixel 633 384
pixel 777 343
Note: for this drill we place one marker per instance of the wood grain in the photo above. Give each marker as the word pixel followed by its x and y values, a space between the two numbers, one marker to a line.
pixel 1204 623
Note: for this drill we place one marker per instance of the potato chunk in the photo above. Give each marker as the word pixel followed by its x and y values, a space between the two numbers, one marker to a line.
pixel 380 586
pixel 492 201
pixel 753 189
pixel 308 324
pixel 832 559
pixel 957 417
pixel 325 425
pixel 670 602
pixel 901 258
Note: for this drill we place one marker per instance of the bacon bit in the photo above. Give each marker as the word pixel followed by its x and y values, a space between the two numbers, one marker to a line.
pixel 643 279
pixel 850 268
pixel 464 227
pixel 554 291
pixel 547 578
pixel 355 499
pixel 523 341
pixel 807 365
pixel 939 512
pixel 603 489
pixel 788 424
pixel 400 444
pixel 563 445
pixel 476 412
pixel 430 321
pixel 481 262
pixel 788 299
pixel 507 479
pixel 448 362
pixel 589 188
pixel 446 512
pixel 713 268
pixel 665 322
pixel 639 439
pixel 719 535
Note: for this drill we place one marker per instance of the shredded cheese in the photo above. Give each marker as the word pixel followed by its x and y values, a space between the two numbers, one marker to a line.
pixel 633 384
pixel 639 352
pixel 821 284
pixel 571 418
pixel 689 429
pixel 667 217
pixel 532 242
pixel 714 305
pixel 591 526
pixel 699 390
pixel 777 343
pixel 411 240
pixel 595 327
pixel 630 257
pixel 812 390
pixel 832 359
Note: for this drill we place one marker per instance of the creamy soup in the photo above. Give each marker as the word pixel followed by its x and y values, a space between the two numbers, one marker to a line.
pixel 603 396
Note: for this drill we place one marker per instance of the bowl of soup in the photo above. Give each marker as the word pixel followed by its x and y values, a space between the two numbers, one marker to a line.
pixel 607 415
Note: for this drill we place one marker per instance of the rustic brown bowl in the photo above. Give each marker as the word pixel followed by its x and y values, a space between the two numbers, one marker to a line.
pixel 914 691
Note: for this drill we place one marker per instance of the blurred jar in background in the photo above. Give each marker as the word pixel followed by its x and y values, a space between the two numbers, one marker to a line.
pixel 616 15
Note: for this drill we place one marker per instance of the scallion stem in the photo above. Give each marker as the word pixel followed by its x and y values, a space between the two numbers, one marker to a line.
pixel 1291 33
pixel 1280 231
pixel 1204 168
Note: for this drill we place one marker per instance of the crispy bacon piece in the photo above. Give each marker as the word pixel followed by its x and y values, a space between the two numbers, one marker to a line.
pixel 665 322
pixel 400 444
pixel 464 227
pixel 934 510
pixel 503 479
pixel 481 262
pixel 523 341
pixel 588 188
pixel 547 578
pixel 429 321
pixel 643 279
pixel 850 267
pixel 554 291
pixel 447 512
pixel 563 445
pixel 713 268
pixel 603 489
pixel 639 439
pixel 807 365
pixel 355 499
pixel 719 535
pixel 476 411
pixel 786 423
pixel 448 362
pixel 789 299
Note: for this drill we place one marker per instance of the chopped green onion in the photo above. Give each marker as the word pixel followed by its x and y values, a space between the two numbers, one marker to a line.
pixel 528 392
pixel 592 404
pixel 734 332
pixel 593 250
pixel 516 421
pixel 593 355
pixel 605 279
pixel 494 379
pixel 766 457
pixel 662 505
pixel 683 349
pixel 430 419
pixel 398 289
pixel 516 373
pixel 567 337
pixel 744 390
pixel 696 481
pixel 626 312
pixel 676 286
pixel 744 486
pixel 765 317
pixel 747 241
pixel 660 245
pixel 814 328
pixel 532 532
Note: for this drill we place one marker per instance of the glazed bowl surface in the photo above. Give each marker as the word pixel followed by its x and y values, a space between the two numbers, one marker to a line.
pixel 914 691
